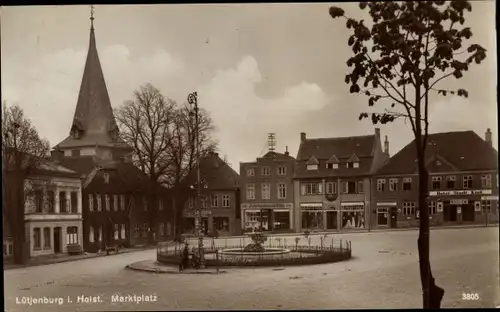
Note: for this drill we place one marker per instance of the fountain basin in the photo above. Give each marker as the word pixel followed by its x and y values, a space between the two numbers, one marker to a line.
pixel 241 252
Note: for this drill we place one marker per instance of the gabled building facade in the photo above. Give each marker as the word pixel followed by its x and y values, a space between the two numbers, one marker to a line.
pixel 267 202
pixel 53 212
pixel 114 189
pixel 219 198
pixel 463 182
pixel 332 181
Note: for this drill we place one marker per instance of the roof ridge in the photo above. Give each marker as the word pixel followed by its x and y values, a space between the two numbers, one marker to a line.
pixel 341 138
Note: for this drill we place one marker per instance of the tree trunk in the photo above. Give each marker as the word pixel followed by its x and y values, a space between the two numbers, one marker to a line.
pixel 17 222
pixel 153 205
pixel 432 294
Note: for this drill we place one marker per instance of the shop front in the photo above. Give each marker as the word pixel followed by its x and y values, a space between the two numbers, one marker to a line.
pixel 386 214
pixel 352 215
pixel 275 217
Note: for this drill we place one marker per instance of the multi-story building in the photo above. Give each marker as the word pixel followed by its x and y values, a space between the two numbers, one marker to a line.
pixel 463 182
pixel 53 212
pixel 267 193
pixel 332 181
pixel 113 189
pixel 219 198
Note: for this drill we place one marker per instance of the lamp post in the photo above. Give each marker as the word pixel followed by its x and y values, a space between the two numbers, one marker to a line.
pixel 193 101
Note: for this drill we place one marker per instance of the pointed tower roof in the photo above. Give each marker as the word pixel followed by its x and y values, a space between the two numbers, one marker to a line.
pixel 333 160
pixel 93 122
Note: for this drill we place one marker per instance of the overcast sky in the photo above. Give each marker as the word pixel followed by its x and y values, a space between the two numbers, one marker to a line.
pixel 258 68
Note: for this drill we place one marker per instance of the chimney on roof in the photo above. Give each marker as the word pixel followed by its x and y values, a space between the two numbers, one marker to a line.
pixel 487 137
pixel 303 137
pixel 377 132
pixel 286 151
pixel 386 146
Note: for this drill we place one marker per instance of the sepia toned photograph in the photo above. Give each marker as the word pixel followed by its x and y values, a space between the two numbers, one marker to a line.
pixel 250 156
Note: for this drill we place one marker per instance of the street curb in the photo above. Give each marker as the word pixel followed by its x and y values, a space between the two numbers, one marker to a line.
pixel 158 271
pixel 72 259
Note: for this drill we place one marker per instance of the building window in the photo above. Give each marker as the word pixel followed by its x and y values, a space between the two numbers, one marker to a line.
pixel 74 202
pixel 251 191
pixel 409 208
pixel 486 206
pixel 122 202
pixel 99 233
pixel 436 183
pixel 76 153
pixel 281 170
pixel 91 234
pixel 190 203
pixel 265 171
pixel 360 187
pixel 161 228
pixel 99 202
pixel 72 235
pixel 39 201
pixel 62 202
pixel 37 239
pixel 50 201
pixel 393 185
pixel 91 202
pixel 281 191
pixel 332 166
pixel 226 201
pixel 115 202
pixel 349 187
pixel 331 188
pixel 311 188
pixel 380 185
pixel 467 182
pixel 450 182
pixel 160 204
pixel 486 181
pixel 214 201
pixel 116 231
pixel 204 201
pixel 221 224
pixel 312 167
pixel 106 178
pixel 356 165
pixel 145 203
pixel 433 208
pixel 266 191
pixel 137 231
pixel 46 237
pixel 122 232
pixel 406 184
pixel 250 172
pixel 107 203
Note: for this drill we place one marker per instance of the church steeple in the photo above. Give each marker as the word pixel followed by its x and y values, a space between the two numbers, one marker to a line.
pixel 93 114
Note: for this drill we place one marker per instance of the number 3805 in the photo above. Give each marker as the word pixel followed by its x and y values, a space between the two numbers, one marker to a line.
pixel 470 296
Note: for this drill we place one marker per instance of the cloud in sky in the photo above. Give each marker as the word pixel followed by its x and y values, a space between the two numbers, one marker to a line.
pixel 52 85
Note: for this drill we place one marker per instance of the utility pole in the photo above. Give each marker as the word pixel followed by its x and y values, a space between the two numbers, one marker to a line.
pixel 193 101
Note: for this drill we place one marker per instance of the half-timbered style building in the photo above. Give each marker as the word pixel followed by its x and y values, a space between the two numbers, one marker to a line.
pixel 463 182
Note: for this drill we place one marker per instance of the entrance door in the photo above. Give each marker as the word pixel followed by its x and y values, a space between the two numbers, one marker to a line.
pixel 394 217
pixel 449 213
pixel 57 240
pixel 331 220
pixel 468 213
pixel 382 218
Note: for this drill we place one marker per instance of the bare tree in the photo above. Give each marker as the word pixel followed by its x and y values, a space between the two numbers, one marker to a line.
pixel 411 47
pixel 22 152
pixel 146 124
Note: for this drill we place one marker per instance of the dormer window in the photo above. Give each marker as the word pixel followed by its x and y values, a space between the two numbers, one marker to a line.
pixel 353 161
pixel 332 166
pixel 356 165
pixel 312 163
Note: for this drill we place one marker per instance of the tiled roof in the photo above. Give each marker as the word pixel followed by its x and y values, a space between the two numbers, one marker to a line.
pixel 336 150
pixel 92 140
pixel 353 158
pixel 82 165
pixel 344 147
pixel 52 168
pixel 312 161
pixel 464 150
pixel 215 173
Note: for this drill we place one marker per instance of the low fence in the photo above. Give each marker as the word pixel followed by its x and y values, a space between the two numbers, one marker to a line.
pixel 171 253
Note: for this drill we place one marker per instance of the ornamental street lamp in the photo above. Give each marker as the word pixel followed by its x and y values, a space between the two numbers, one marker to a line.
pixel 193 101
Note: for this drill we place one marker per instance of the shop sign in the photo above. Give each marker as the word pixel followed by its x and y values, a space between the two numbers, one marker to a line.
pixel 267 206
pixel 440 207
pixel 391 204
pixel 204 213
pixel 489 197
pixel 477 206
pixel 459 210
pixel 459 202
pixel 347 204
pixel 460 193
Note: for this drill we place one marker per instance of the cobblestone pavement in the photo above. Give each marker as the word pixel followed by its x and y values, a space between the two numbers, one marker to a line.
pixel 382 274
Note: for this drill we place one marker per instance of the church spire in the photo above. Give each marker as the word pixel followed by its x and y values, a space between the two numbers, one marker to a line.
pixel 92 17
